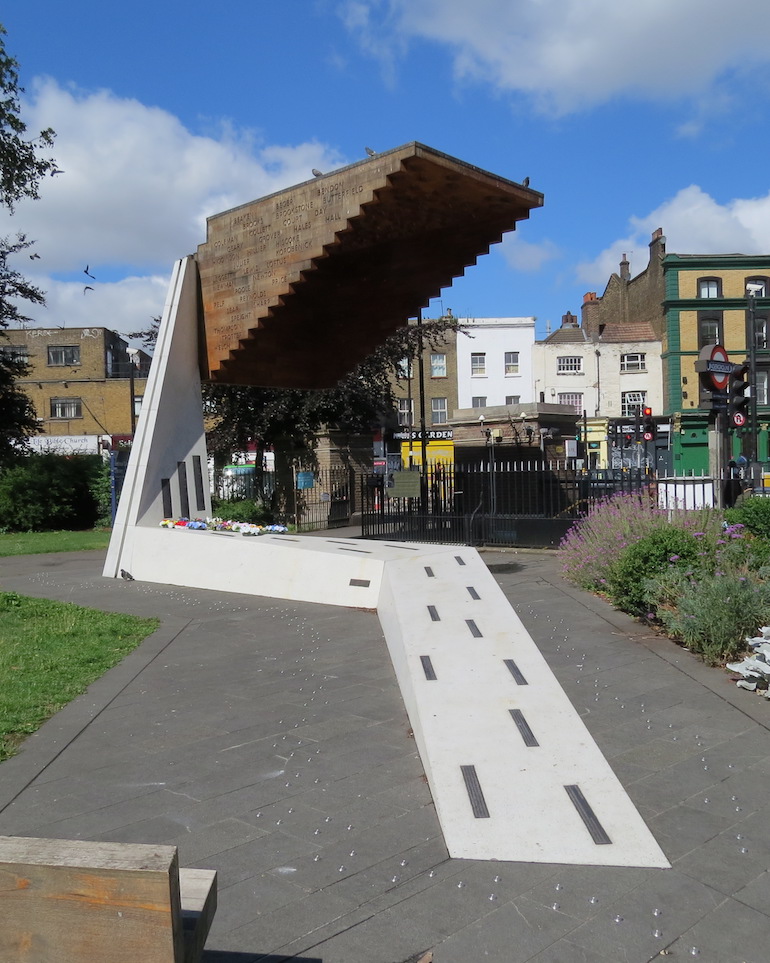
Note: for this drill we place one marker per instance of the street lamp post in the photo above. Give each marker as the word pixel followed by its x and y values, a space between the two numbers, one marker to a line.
pixel 751 340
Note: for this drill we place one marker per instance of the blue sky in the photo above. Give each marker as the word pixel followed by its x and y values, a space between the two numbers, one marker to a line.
pixel 627 117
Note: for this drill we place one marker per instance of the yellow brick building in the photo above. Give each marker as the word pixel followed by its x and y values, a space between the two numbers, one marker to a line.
pixel 705 304
pixel 82 381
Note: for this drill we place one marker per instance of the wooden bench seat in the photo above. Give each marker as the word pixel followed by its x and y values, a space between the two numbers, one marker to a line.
pixel 71 901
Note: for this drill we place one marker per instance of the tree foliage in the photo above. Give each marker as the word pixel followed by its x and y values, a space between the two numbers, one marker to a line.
pixel 148 336
pixel 22 168
pixel 290 419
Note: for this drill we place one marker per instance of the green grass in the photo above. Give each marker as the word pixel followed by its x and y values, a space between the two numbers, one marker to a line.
pixel 36 543
pixel 50 652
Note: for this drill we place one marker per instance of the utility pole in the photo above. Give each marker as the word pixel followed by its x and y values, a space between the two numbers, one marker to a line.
pixel 423 436
pixel 751 342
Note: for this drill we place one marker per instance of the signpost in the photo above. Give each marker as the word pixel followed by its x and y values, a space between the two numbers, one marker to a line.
pixel 715 370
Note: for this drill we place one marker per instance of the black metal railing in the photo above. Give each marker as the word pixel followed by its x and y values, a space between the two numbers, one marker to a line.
pixel 505 503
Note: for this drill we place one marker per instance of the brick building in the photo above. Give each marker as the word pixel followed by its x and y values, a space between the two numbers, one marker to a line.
pixel 439 365
pixel 85 383
pixel 691 301
pixel 705 304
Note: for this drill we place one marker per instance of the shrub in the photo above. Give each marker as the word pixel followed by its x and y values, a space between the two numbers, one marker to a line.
pixel 101 489
pixel 593 545
pixel 736 552
pixel 49 492
pixel 245 510
pixel 753 513
pixel 652 554
pixel 710 614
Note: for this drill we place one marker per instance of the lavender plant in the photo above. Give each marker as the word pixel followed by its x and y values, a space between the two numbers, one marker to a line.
pixel 593 546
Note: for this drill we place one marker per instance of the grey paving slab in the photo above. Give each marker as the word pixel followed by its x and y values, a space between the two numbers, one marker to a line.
pixel 515 932
pixel 244 724
pixel 732 932
pixel 638 924
pixel 757 893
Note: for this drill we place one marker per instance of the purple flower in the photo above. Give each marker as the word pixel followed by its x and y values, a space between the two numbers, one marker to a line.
pixel 674 558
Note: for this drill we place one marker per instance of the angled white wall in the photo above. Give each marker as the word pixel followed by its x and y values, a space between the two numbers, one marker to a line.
pixel 167 472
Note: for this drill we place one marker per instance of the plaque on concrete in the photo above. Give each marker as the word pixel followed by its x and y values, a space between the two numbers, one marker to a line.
pixel 300 286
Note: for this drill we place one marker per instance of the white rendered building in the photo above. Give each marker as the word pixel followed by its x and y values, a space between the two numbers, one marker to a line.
pixel 610 376
pixel 494 362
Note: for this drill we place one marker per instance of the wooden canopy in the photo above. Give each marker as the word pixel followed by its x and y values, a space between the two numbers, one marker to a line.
pixel 300 286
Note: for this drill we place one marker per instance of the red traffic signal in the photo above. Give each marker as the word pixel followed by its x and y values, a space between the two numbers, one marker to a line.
pixel 648 424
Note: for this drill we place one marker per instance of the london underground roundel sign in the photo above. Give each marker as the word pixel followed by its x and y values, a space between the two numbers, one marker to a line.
pixel 719 367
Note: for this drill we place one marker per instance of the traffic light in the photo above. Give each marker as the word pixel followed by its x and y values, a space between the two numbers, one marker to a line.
pixel 738 395
pixel 648 424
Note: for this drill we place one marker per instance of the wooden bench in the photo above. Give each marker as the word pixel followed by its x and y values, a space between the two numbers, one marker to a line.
pixel 69 901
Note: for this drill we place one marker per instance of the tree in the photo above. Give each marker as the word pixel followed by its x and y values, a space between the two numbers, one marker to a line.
pixel 288 421
pixel 148 336
pixel 292 417
pixel 22 168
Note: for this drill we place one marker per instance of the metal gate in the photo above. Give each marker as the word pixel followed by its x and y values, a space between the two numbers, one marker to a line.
pixel 323 498
pixel 488 502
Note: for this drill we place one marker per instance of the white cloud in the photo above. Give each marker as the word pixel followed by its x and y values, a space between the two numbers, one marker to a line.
pixel 126 305
pixel 134 196
pixel 693 223
pixel 523 256
pixel 570 54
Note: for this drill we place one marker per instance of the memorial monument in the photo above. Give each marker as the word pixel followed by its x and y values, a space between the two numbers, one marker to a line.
pixel 292 290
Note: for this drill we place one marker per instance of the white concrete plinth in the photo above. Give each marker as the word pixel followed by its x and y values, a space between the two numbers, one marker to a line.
pixel 452 636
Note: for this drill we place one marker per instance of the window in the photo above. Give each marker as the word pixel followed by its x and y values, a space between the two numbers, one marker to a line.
pixel 406 411
pixel 631 403
pixel 569 364
pixel 16 352
pixel 479 401
pixel 512 399
pixel 478 364
pixel 572 398
pixel 760 332
pixel 709 287
pixel 762 379
pixel 709 329
pixel 633 362
pixel 511 362
pixel 138 399
pixel 404 369
pixel 438 366
pixel 66 408
pixel 64 354
pixel 759 286
pixel 438 411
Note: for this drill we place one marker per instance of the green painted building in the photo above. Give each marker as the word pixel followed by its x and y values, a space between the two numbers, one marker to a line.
pixel 691 301
pixel 705 303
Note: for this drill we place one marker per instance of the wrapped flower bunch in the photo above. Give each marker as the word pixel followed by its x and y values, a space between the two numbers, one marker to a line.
pixel 222 525
pixel 189 523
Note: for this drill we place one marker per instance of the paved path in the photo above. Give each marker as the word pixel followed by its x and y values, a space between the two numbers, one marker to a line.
pixel 268 740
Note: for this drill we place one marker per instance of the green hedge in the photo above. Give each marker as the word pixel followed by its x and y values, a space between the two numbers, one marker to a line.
pixel 50 493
